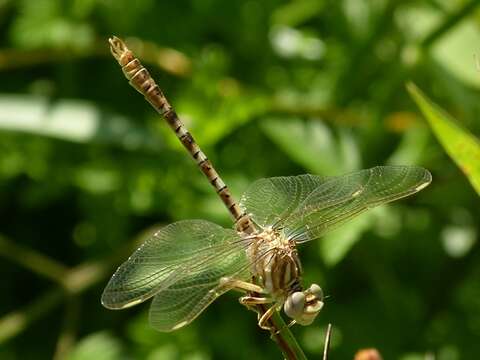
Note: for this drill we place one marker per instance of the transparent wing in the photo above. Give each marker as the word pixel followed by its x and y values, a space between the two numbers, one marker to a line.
pixel 180 250
pixel 341 198
pixel 269 201
pixel 180 303
pixel 336 199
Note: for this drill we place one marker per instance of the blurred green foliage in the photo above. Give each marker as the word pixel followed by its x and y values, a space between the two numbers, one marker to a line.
pixel 267 88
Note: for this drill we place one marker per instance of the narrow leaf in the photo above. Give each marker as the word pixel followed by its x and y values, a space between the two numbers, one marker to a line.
pixel 459 143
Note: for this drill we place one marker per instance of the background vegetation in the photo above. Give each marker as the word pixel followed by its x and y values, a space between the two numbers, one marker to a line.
pixel 268 88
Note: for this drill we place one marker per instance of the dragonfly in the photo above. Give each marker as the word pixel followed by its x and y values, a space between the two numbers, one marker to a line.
pixel 187 265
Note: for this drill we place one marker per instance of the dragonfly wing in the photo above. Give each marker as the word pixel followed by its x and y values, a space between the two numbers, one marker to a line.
pixel 269 201
pixel 180 303
pixel 175 251
pixel 341 198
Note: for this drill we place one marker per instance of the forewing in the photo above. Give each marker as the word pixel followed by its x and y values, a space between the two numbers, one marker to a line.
pixel 339 199
pixel 180 303
pixel 268 201
pixel 174 252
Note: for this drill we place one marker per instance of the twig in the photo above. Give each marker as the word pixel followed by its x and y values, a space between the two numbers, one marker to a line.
pixel 326 346
pixel 170 60
pixel 15 322
pixel 66 339
pixel 32 260
pixel 141 80
pixel 76 281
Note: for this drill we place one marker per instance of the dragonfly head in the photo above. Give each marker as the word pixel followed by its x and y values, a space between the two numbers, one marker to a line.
pixel 304 306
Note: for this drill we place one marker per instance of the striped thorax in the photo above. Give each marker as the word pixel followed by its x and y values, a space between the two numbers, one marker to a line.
pixel 279 274
pixel 279 271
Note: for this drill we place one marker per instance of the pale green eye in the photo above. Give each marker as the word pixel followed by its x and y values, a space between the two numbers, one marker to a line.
pixel 317 291
pixel 295 304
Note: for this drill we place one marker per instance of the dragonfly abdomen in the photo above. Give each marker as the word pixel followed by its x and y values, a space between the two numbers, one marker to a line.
pixel 143 82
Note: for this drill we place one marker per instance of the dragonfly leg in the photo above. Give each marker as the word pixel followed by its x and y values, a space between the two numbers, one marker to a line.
pixel 240 285
pixel 290 324
pixel 253 300
pixel 262 322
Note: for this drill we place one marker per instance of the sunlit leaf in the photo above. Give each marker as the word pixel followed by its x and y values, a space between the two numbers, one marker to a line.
pixel 224 115
pixel 313 145
pixel 71 120
pixel 412 146
pixel 164 352
pixel 297 12
pixel 100 346
pixel 335 245
pixel 42 23
pixel 456 50
pixel 461 145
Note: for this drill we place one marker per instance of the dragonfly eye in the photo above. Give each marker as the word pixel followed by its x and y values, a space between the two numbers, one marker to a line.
pixel 309 313
pixel 316 291
pixel 304 306
pixel 295 304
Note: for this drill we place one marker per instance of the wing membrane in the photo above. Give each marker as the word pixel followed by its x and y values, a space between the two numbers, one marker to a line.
pixel 180 303
pixel 271 200
pixel 179 250
pixel 324 203
pixel 357 192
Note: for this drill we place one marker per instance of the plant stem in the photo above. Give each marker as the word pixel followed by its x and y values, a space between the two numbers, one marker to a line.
pixel 141 80
pixel 75 281
pixel 32 260
pixel 284 338
pixel 326 346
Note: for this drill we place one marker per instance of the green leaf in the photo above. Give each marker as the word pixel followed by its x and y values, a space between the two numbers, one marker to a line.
pixel 297 12
pixel 313 145
pixel 100 346
pixel 44 23
pixel 411 147
pixel 72 120
pixel 335 245
pixel 459 143
pixel 455 51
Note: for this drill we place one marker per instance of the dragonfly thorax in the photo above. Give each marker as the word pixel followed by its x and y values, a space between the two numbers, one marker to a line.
pixel 276 263
pixel 277 267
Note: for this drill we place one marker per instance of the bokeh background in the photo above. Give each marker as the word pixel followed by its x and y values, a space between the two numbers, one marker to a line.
pixel 267 88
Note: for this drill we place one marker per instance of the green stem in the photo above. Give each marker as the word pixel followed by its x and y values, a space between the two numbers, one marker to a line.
pixel 17 321
pixel 32 260
pixel 285 339
pixel 75 281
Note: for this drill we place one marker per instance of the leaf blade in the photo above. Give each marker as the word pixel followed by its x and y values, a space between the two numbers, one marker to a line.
pixel 459 143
